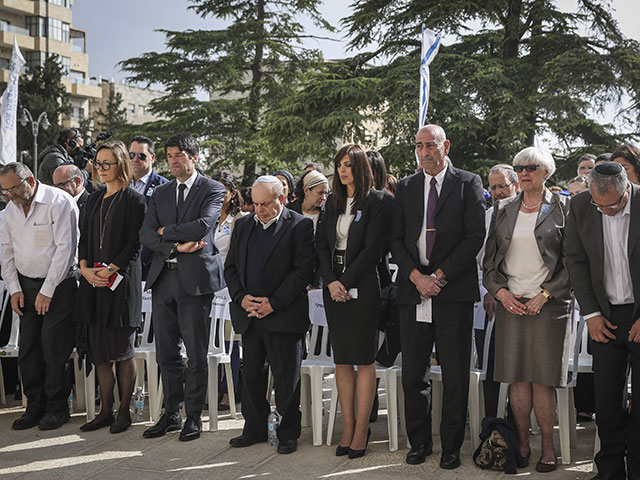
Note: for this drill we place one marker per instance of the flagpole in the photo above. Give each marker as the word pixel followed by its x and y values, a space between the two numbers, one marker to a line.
pixel 430 44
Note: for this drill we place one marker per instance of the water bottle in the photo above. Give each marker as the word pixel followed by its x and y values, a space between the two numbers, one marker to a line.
pixel 138 405
pixel 70 402
pixel 272 427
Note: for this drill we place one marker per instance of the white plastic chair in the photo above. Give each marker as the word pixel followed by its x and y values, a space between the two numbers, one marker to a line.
pixel 218 353
pixel 11 349
pixel 313 370
pixel 146 362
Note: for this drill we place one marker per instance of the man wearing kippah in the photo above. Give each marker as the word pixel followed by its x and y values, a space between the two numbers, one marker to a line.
pixel 603 257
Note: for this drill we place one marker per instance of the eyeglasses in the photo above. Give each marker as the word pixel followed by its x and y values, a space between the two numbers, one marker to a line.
pixel 613 205
pixel 11 190
pixel 528 168
pixel 60 185
pixel 103 165
pixel 500 186
pixel 141 156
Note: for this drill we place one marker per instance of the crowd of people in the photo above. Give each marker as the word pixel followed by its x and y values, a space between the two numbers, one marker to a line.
pixel 73 263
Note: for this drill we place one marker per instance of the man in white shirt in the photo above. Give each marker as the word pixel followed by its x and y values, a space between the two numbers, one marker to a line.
pixel 603 259
pixel 39 244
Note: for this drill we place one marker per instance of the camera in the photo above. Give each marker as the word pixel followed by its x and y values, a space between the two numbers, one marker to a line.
pixel 84 154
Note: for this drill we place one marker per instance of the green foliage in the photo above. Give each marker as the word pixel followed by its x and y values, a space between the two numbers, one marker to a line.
pixel 222 83
pixel 114 117
pixel 41 90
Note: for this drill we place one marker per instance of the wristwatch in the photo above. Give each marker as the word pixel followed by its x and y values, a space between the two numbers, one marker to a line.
pixel 546 294
pixel 110 269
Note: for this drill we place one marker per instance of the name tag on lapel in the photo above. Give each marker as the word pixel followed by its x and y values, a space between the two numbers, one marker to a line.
pixel 545 208
pixel 358 216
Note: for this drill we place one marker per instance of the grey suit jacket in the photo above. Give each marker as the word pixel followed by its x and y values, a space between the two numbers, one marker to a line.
pixel 585 253
pixel 550 237
pixel 201 272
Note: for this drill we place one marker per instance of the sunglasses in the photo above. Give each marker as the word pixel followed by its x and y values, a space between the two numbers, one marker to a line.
pixel 528 168
pixel 141 156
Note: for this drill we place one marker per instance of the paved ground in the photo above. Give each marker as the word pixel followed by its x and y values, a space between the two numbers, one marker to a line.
pixel 70 454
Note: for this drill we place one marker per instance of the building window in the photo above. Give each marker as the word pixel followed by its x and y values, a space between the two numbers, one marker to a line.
pixel 62 3
pixel 132 108
pixel 142 109
pixel 78 112
pixel 37 26
pixel 53 28
pixel 35 59
pixel 77 75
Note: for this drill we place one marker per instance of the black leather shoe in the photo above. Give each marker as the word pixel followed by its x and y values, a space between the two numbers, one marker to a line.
pixel 97 423
pixel 51 421
pixel 118 427
pixel 287 446
pixel 418 454
pixel 545 467
pixel 192 428
pixel 169 422
pixel 449 461
pixel 244 441
pixel 360 453
pixel 27 420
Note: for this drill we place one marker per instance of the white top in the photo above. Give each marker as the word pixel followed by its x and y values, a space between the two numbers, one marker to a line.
pixel 43 244
pixel 342 226
pixel 314 218
pixel 523 263
pixel 617 276
pixel 222 236
pixel 422 239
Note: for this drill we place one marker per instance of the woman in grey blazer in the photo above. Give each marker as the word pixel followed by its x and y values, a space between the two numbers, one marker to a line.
pixel 524 270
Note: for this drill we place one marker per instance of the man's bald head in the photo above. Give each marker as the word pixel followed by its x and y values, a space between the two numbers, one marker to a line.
pixel 68 178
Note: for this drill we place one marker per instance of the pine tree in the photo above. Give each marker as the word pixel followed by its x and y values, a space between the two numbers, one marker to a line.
pixel 243 71
pixel 114 117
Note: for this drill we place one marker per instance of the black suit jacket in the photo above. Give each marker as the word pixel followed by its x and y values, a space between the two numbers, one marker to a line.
pixel 364 244
pixel 585 253
pixel 289 266
pixel 123 242
pixel 201 271
pixel 460 230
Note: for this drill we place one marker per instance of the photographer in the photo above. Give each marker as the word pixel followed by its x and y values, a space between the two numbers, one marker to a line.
pixel 68 142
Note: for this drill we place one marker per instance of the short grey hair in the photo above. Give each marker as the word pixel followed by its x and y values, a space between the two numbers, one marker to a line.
pixel 535 155
pixel 603 183
pixel 507 169
pixel 20 169
pixel 275 183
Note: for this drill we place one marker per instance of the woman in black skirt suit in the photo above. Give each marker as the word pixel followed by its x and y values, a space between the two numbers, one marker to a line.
pixel 109 244
pixel 350 239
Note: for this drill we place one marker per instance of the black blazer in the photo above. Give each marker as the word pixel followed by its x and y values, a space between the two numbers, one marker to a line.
pixel 460 230
pixel 201 271
pixel 585 253
pixel 124 248
pixel 364 244
pixel 289 267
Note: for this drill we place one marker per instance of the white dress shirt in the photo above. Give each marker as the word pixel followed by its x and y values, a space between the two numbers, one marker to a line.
pixel 343 224
pixel 188 182
pixel 42 244
pixel 270 222
pixel 422 239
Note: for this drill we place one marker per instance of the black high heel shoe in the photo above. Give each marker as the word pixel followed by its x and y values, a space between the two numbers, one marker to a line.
pixel 359 453
pixel 341 451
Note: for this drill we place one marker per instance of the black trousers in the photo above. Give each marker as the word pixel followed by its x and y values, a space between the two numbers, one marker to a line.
pixel 283 352
pixel 618 429
pixel 180 316
pixel 451 332
pixel 46 341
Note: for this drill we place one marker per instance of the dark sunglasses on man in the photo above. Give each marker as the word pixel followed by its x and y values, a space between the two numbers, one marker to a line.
pixel 141 156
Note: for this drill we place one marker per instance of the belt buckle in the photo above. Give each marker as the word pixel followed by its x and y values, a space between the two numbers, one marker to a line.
pixel 339 259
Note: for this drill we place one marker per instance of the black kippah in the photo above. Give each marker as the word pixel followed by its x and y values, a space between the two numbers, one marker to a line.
pixel 608 168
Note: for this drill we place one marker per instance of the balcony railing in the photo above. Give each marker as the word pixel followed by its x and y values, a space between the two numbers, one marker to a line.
pixel 78 49
pixel 10 28
pixel 85 81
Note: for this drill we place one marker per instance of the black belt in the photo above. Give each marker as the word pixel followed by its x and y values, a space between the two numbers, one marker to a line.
pixel 339 257
pixel 171 265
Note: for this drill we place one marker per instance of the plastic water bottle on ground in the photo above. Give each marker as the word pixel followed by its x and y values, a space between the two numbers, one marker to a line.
pixel 272 427
pixel 70 402
pixel 138 405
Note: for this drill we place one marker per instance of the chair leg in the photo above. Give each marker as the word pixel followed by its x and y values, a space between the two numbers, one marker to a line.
pixel 572 421
pixel 391 384
pixel 502 400
pixel 596 449
pixel 155 402
pixel 305 399
pixel 140 364
pixel 230 390
pixel 78 375
pixel 90 392
pixel 564 424
pixel 436 406
pixel 213 394
pixel 474 411
pixel 270 383
pixel 332 412
pixel 316 405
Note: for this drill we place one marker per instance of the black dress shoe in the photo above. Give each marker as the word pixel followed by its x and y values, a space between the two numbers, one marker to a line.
pixel 244 441
pixel 192 428
pixel 341 451
pixel 27 420
pixel 287 446
pixel 118 427
pixel 449 461
pixel 542 467
pixel 97 423
pixel 51 421
pixel 169 422
pixel 418 454
pixel 360 453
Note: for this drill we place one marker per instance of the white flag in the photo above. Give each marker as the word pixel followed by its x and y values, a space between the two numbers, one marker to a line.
pixel 430 46
pixel 9 108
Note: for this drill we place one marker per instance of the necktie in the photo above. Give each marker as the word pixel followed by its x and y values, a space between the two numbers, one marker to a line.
pixel 431 217
pixel 181 188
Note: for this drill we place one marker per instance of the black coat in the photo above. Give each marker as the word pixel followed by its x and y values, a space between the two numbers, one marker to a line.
pixel 124 251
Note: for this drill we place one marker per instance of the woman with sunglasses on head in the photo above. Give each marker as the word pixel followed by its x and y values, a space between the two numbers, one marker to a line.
pixel 109 250
pixel 350 238
pixel 525 271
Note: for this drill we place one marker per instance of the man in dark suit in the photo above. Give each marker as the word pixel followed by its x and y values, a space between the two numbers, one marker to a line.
pixel 145 180
pixel 185 273
pixel 603 258
pixel 438 229
pixel 271 261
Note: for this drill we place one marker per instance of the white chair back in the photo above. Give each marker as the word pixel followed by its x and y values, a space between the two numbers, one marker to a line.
pixel 325 355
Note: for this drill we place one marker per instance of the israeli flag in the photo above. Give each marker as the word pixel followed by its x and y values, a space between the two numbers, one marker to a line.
pixel 9 108
pixel 430 46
